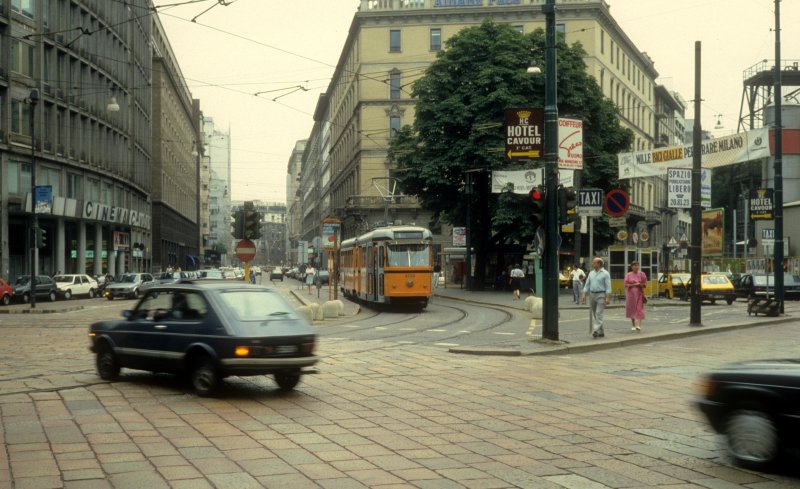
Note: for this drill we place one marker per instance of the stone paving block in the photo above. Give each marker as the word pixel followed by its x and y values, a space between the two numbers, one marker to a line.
pixel 138 480
pixel 294 481
pixel 83 455
pixel 717 484
pixel 486 483
pixel 191 484
pixel 575 482
pixel 731 474
pixel 33 469
pixel 341 483
pixel 349 465
pixel 319 471
pixel 41 482
pixel 168 461
pixel 392 462
pixel 374 477
pixel 124 467
pixel 82 474
pixel 216 466
pixel 460 474
pixel 107 458
pixel 102 448
pixel 438 484
pixel 196 441
pixel 65 465
pixel 88 484
pixel 178 472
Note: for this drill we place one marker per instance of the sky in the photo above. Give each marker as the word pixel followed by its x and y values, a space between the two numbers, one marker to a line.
pixel 259 66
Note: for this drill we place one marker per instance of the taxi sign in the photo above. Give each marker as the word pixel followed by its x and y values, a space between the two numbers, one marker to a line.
pixel 590 202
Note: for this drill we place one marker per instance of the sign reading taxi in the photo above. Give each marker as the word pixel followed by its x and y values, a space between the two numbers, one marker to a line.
pixel 524 129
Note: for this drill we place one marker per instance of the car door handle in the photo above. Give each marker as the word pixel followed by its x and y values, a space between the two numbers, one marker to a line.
pixel 161 326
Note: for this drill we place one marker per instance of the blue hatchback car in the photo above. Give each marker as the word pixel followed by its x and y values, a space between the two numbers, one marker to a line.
pixel 208 330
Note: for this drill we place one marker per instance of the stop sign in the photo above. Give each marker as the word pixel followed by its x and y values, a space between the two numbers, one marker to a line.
pixel 245 250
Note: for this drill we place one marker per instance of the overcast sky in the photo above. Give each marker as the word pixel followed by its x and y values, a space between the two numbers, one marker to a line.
pixel 273 47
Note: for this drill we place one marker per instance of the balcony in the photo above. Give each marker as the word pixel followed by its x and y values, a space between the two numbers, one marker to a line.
pixel 376 202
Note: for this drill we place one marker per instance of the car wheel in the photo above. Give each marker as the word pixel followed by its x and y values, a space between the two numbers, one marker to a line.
pixel 6 300
pixel 204 376
pixel 287 379
pixel 107 364
pixel 110 297
pixel 729 300
pixel 91 293
pixel 68 295
pixel 52 296
pixel 752 438
pixel 26 297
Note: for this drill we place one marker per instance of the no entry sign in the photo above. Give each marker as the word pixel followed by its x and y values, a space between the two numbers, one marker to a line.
pixel 616 203
pixel 245 250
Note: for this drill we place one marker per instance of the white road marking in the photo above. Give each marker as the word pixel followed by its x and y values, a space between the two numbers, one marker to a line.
pixel 465 331
pixel 435 330
pixel 500 332
pixel 446 344
pixel 381 327
pixel 350 326
pixel 407 342
pixel 407 329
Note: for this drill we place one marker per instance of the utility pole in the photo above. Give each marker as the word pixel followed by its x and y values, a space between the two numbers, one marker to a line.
pixel 697 216
pixel 33 100
pixel 777 266
pixel 550 282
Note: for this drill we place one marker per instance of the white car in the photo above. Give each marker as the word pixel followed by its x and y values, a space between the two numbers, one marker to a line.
pixel 71 285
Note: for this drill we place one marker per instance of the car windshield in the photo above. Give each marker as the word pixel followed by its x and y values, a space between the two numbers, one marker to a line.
pixel 408 255
pixel 170 275
pixel 22 280
pixel 255 305
pixel 63 278
pixel 211 274
pixel 715 280
pixel 128 278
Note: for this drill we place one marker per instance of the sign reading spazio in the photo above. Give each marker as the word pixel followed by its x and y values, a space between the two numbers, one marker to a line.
pixel 679 188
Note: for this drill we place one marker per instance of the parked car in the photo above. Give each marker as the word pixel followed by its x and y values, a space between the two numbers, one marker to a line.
pixel 173 277
pixel 71 285
pixel 6 292
pixel 45 288
pixel 209 330
pixel 754 404
pixel 129 285
pixel 713 287
pixel 211 274
pixel 672 285
pixel 751 285
pixel 276 274
pixel 322 277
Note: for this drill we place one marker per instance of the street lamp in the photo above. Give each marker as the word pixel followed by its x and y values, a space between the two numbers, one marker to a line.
pixel 33 99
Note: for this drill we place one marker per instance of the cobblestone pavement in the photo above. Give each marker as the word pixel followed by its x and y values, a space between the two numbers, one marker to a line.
pixel 379 414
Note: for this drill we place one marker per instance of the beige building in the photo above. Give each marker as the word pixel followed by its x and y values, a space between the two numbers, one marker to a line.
pixel 390 44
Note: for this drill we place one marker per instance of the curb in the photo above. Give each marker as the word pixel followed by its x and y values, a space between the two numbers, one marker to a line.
pixel 41 311
pixel 606 345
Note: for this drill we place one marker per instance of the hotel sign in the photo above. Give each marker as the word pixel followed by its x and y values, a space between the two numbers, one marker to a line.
pixel 96 211
pixel 762 205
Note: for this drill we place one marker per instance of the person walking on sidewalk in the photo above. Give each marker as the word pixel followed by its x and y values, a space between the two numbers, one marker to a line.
pixel 437 272
pixel 635 282
pixel 516 281
pixel 310 273
pixel 598 285
pixel 577 277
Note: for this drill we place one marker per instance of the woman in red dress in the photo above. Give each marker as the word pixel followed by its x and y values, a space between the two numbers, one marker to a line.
pixel 635 282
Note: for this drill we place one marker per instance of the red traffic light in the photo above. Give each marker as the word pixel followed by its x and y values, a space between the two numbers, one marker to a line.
pixel 536 194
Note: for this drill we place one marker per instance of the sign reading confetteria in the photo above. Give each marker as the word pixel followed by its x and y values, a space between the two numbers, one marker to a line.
pixel 570 144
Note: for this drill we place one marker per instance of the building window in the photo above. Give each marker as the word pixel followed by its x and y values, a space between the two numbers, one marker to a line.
pixel 394 41
pixel 602 80
pixel 20 117
pixel 602 42
pixel 519 28
pixel 394 125
pixel 612 51
pixel 74 186
pixel 561 29
pixel 21 58
pixel 394 85
pixel 436 39
pixel 25 7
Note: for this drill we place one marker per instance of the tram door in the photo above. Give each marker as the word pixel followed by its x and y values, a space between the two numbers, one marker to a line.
pixel 381 263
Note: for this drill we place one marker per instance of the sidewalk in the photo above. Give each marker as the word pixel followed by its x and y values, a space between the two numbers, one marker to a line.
pixel 573 325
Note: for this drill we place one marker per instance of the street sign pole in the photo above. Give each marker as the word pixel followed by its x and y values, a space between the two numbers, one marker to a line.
pixel 550 286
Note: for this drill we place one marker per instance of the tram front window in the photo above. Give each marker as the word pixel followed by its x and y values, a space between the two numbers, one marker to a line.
pixel 409 255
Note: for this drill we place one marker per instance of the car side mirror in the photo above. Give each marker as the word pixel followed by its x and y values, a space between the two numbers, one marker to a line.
pixel 127 314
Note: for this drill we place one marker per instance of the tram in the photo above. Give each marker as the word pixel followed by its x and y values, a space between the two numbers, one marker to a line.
pixel 390 265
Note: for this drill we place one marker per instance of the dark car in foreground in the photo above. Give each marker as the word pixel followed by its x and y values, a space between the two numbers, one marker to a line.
pixel 755 405
pixel 209 330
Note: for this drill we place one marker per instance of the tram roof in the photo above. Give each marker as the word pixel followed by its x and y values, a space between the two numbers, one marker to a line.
pixel 389 233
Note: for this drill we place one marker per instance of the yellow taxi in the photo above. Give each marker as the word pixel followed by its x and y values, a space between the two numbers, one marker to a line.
pixel 713 287
pixel 672 285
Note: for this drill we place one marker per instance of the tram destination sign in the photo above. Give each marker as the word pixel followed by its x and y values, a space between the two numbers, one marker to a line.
pixel 762 204
pixel 524 133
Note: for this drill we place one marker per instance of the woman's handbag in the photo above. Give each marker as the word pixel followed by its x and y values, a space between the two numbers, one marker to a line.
pixel 644 299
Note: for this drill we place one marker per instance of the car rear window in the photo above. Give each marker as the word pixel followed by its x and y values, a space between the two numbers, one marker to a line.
pixel 256 305
pixel 715 280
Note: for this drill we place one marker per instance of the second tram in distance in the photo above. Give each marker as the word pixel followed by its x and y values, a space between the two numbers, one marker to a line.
pixel 390 265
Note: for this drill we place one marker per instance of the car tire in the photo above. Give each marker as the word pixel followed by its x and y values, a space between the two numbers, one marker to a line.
pixel 110 297
pixel 204 376
pixel 6 300
pixel 52 296
pixel 68 295
pixel 91 293
pixel 753 439
pixel 107 364
pixel 287 379
pixel 729 300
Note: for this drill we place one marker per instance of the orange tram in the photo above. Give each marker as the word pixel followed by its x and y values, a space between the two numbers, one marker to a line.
pixel 390 265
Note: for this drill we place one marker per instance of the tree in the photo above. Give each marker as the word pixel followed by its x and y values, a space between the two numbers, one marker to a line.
pixel 461 100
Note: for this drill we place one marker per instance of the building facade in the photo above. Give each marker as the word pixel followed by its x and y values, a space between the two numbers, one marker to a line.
pixel 88 137
pixel 217 148
pixel 390 44
pixel 294 207
pixel 176 159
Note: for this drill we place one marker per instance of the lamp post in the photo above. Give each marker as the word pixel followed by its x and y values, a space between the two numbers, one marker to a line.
pixel 33 99
pixel 550 283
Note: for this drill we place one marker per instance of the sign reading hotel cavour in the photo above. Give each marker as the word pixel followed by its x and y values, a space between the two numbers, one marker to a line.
pixel 524 129
pixel 96 211
pixel 762 207
pixel 474 3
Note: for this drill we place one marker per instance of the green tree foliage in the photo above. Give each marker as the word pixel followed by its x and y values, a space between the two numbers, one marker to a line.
pixel 460 107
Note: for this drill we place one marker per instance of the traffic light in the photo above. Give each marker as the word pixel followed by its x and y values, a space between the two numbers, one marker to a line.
pixel 40 237
pixel 567 202
pixel 536 203
pixel 252 222
pixel 238 224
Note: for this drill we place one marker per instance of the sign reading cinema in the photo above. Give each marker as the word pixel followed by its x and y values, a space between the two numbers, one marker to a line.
pixel 524 133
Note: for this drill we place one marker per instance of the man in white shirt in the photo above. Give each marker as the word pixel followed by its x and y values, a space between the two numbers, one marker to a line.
pixel 516 277
pixel 598 285
pixel 577 276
